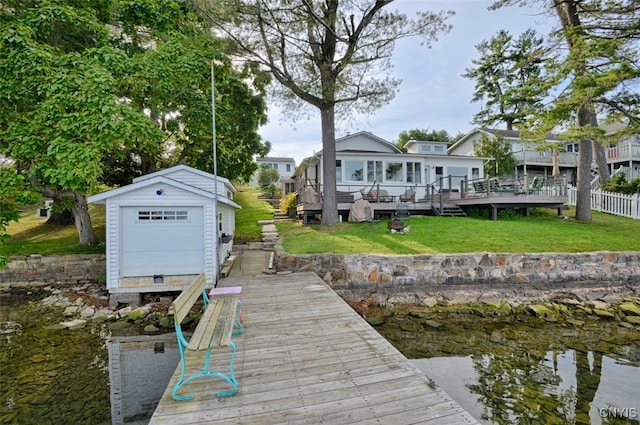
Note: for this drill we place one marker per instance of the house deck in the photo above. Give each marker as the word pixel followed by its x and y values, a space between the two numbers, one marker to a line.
pixel 306 357
pixel 494 201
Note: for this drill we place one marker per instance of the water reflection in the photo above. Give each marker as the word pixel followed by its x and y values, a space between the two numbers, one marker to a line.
pixel 570 387
pixel 518 369
pixel 50 375
pixel 139 369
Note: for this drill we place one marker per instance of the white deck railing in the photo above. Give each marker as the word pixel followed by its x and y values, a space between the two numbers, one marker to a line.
pixel 565 159
pixel 626 152
pixel 611 202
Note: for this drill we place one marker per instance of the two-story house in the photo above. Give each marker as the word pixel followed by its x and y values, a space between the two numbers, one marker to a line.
pixel 285 168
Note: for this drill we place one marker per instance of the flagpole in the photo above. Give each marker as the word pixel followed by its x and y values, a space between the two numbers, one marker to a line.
pixel 216 263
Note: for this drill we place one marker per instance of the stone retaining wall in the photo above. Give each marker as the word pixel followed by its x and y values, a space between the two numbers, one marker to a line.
pixel 421 279
pixel 460 278
pixel 45 270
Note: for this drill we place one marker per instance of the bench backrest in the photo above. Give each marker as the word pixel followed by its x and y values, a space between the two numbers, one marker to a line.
pixel 183 303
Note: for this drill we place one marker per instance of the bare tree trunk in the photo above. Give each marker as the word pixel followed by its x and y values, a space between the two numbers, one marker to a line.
pixel 80 210
pixel 329 204
pixel 604 174
pixel 598 154
pixel 585 157
pixel 61 218
pixel 568 14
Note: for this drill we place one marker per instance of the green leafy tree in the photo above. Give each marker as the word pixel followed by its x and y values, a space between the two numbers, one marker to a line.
pixel 502 160
pixel 105 91
pixel 267 177
pixel 172 82
pixel 332 55
pixel 597 73
pixel 61 108
pixel 428 135
pixel 507 76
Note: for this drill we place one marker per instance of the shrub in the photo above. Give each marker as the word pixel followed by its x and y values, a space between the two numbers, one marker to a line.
pixel 619 184
pixel 288 204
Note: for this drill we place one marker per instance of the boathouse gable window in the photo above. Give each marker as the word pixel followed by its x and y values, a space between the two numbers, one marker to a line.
pixel 163 215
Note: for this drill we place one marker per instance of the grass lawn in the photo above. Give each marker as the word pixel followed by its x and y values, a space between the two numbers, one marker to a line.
pixel 544 231
pixel 253 209
pixel 31 235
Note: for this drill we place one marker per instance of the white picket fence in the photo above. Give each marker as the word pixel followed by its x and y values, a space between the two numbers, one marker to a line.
pixel 610 202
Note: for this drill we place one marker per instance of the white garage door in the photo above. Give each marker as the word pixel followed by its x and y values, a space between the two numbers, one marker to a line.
pixel 162 240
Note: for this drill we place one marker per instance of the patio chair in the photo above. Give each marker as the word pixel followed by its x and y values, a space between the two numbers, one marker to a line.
pixel 409 195
pixel 536 185
pixel 480 186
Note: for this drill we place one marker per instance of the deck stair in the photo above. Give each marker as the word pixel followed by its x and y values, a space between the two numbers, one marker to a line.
pixel 448 210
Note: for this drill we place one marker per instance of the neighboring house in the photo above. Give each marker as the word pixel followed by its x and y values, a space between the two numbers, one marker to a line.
pixel 161 231
pixel 365 162
pixel 530 160
pixel 622 155
pixel 285 168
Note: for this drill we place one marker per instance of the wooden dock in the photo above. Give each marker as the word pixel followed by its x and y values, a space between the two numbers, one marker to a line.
pixel 306 357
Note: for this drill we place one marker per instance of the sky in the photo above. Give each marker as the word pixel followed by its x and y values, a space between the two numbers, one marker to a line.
pixel 433 95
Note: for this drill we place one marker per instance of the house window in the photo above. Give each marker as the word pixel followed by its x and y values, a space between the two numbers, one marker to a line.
pixel 163 215
pixel 354 171
pixel 475 173
pixel 393 172
pixel 425 148
pixel 288 168
pixel 438 148
pixel 457 175
pixel 439 173
pixel 572 147
pixel 413 172
pixel 374 171
pixel 338 170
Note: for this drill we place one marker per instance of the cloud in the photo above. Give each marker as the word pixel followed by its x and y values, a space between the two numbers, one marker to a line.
pixel 433 94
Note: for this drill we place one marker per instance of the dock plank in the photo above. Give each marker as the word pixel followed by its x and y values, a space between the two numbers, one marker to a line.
pixel 305 357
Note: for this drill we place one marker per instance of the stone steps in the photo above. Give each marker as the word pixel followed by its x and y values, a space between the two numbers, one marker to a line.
pixel 269 234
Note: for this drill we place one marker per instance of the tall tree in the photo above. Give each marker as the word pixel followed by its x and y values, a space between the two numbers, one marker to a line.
pixel 424 134
pixel 503 161
pixel 598 74
pixel 332 54
pixel 507 77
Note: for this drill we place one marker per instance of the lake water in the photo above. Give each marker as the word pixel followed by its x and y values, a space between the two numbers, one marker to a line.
pixel 550 396
pixel 502 372
pixel 522 370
